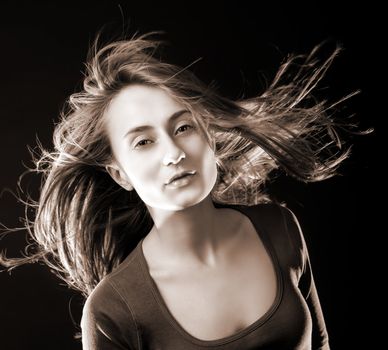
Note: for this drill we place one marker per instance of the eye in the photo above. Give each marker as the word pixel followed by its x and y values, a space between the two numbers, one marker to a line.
pixel 142 143
pixel 183 128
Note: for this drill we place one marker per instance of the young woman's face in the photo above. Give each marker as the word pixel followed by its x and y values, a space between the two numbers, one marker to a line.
pixel 154 138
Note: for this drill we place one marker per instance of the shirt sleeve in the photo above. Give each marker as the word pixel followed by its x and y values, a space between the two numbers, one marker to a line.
pixel 320 339
pixel 107 321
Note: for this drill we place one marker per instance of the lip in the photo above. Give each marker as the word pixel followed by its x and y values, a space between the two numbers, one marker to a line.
pixel 180 174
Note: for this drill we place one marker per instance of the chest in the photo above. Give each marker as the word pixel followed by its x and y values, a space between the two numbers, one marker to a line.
pixel 215 303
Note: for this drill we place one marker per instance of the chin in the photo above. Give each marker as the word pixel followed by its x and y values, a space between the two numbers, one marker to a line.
pixel 183 201
pixel 187 199
pixel 181 205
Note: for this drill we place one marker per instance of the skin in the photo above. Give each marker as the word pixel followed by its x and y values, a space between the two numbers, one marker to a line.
pixel 188 229
pixel 198 255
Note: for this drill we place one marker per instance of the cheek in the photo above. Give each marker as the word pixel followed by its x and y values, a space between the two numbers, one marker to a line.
pixel 206 158
pixel 140 168
pixel 210 164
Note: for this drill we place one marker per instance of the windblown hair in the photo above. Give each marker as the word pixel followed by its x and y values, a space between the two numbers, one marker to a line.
pixel 85 224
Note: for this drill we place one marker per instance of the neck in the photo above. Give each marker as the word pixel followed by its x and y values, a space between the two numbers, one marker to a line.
pixel 191 235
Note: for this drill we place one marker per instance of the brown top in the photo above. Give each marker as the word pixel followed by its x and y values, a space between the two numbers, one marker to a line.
pixel 126 310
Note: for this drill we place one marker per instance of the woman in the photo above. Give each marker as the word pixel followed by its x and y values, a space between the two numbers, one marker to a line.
pixel 153 206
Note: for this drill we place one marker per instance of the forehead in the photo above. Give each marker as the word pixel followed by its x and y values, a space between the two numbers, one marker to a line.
pixel 139 104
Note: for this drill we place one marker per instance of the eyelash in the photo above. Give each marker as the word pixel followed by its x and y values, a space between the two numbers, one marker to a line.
pixel 138 144
pixel 190 127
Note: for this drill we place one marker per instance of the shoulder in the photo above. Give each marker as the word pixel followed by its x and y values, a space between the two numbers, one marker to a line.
pixel 108 301
pixel 271 215
pixel 279 220
pixel 104 303
pixel 108 320
pixel 280 226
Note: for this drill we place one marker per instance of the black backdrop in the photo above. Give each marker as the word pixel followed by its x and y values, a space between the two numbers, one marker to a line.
pixel 43 45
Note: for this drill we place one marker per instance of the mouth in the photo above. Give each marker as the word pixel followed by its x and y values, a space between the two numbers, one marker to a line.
pixel 180 176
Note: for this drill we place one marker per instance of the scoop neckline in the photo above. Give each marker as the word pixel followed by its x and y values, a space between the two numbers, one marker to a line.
pixel 243 332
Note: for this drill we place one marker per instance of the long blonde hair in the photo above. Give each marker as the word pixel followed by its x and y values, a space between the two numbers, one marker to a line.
pixel 85 224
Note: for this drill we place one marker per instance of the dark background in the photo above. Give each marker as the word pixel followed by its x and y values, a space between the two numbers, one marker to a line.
pixel 43 45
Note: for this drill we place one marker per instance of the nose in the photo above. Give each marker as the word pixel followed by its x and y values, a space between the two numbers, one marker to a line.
pixel 173 154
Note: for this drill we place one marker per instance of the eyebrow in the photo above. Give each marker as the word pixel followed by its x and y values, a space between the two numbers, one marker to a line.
pixel 141 128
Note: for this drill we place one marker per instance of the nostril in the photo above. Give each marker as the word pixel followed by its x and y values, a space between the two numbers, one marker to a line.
pixel 174 160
